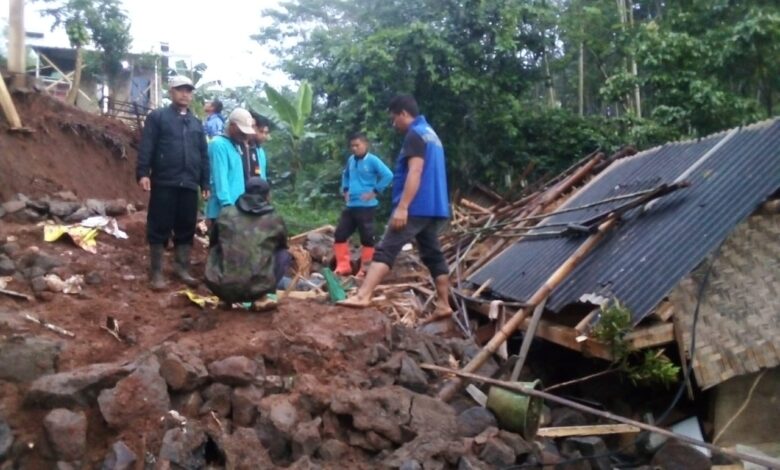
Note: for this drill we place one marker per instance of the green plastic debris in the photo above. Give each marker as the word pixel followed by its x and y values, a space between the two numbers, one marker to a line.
pixel 335 289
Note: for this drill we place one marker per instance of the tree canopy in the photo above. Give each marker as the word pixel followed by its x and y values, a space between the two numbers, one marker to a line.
pixel 510 82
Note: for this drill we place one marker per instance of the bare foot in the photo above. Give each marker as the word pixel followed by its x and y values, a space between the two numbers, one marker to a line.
pixel 355 302
pixel 442 311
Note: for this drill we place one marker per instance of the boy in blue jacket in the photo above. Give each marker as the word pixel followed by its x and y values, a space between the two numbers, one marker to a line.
pixel 364 177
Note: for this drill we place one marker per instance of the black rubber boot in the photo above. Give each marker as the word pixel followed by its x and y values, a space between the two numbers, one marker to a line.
pixel 156 279
pixel 182 264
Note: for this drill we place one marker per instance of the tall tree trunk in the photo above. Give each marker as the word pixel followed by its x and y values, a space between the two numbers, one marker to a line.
pixel 73 93
pixel 582 78
pixel 548 80
pixel 634 70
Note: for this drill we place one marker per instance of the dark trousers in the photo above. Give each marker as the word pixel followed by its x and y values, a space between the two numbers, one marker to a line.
pixel 171 210
pixel 282 262
pixel 423 230
pixel 356 218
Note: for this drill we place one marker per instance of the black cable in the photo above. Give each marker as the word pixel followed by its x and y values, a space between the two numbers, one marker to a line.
pixel 680 389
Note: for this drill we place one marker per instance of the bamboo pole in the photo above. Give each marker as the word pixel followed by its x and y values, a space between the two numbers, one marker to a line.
pixel 515 387
pixel 452 387
pixel 7 104
pixel 555 279
pixel 545 199
pixel 530 332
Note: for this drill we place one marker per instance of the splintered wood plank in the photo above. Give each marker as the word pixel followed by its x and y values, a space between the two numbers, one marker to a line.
pixel 567 337
pixel 593 430
pixel 665 311
pixel 649 336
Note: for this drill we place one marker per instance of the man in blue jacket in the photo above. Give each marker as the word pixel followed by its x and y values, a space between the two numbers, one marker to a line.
pixel 173 164
pixel 420 205
pixel 363 178
pixel 228 174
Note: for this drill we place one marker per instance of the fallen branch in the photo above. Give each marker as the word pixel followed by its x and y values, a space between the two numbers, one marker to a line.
pixel 519 388
pixel 18 295
pixel 49 326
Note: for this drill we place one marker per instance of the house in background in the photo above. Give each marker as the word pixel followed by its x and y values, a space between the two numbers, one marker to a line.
pixel 138 84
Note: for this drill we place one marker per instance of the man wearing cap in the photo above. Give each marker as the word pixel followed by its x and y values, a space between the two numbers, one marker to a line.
pixel 248 250
pixel 227 165
pixel 173 165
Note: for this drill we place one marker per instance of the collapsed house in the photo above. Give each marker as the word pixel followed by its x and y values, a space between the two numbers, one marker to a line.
pixel 707 255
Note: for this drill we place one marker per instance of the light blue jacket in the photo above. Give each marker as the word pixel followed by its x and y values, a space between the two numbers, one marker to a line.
pixel 262 163
pixel 214 125
pixel 363 175
pixel 227 175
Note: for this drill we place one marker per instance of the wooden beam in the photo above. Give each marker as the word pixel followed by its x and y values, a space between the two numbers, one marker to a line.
pixel 567 337
pixel 302 236
pixel 650 336
pixel 7 105
pixel 640 338
pixel 665 311
pixel 770 207
pixel 594 430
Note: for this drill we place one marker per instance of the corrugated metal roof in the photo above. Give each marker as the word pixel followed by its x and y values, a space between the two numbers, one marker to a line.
pixel 641 260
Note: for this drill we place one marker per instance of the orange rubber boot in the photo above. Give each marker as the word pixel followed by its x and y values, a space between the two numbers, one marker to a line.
pixel 343 265
pixel 366 255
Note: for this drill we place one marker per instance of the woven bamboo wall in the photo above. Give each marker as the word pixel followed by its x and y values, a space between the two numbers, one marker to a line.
pixel 739 318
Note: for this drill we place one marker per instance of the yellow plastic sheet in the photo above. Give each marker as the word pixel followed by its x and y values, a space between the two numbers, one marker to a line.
pixel 83 237
pixel 201 300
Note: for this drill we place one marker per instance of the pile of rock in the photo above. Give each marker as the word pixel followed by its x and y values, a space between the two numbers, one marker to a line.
pixel 171 409
pixel 63 206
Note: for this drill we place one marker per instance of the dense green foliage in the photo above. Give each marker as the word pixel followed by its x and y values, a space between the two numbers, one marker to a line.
pixel 500 80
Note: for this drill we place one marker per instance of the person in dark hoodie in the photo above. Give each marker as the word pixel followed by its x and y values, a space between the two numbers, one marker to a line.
pixel 248 254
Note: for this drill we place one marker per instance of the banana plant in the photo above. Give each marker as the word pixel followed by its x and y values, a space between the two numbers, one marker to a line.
pixel 291 115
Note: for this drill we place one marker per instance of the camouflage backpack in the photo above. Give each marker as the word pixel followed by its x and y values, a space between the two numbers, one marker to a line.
pixel 240 266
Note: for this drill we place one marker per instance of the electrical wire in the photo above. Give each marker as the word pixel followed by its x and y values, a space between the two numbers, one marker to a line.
pixel 680 389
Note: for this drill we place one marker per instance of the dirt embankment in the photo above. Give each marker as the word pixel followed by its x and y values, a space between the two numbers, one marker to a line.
pixel 68 149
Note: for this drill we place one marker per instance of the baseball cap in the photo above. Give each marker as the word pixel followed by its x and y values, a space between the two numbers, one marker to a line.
pixel 243 120
pixel 257 185
pixel 179 81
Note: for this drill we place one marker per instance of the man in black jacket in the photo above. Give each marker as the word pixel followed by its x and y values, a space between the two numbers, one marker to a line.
pixel 173 164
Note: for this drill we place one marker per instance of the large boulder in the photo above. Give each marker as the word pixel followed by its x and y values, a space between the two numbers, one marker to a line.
pixel 23 359
pixel 217 400
pixel 181 369
pixel 77 387
pixel 245 401
pixel 67 432
pixel 63 209
pixel 234 370
pixel 475 420
pixel 243 449
pixel 185 447
pixel 306 439
pixel 395 413
pixel 141 395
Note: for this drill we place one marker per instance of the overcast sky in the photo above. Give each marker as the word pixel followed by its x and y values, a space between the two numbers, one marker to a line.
pixel 214 32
